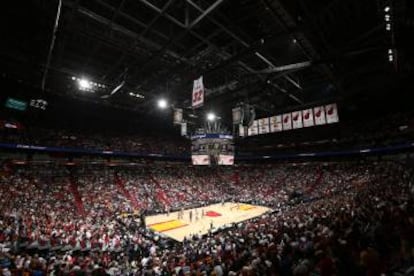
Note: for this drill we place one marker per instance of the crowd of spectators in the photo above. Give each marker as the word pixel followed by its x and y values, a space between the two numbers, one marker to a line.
pixel 136 143
pixel 327 219
pixel 390 129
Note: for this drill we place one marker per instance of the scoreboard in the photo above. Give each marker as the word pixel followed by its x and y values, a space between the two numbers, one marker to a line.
pixel 212 149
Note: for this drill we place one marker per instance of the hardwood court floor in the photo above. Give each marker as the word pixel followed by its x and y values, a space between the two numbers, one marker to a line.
pixel 217 214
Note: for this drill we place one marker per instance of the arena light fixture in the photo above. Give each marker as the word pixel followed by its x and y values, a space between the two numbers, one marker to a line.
pixel 136 95
pixel 387 9
pixel 162 103
pixel 388 27
pixel 84 84
pixel 211 116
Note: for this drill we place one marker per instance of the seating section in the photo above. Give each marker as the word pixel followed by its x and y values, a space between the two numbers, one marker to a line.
pixel 389 129
pixel 137 143
pixel 350 219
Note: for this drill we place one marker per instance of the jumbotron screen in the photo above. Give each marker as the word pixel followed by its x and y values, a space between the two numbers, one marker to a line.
pixel 212 149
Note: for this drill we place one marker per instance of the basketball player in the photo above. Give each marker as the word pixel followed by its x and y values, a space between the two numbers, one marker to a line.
pixel 191 215
pixel 202 213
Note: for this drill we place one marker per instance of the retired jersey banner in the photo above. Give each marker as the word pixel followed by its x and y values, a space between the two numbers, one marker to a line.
pixel 276 123
pixel 287 121
pixel 198 92
pixel 264 126
pixel 183 129
pixel 331 113
pixel 297 119
pixel 178 116
pixel 307 116
pixel 319 113
pixel 253 129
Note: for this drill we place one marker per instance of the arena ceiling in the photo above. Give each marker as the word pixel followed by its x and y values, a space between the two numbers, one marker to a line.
pixel 242 48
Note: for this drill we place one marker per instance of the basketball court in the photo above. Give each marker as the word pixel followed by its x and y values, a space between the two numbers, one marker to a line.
pixel 217 215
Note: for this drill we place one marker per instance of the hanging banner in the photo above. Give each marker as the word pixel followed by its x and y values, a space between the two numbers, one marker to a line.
pixel 297 119
pixel 331 113
pixel 264 126
pixel 198 93
pixel 178 116
pixel 307 116
pixel 276 123
pixel 183 129
pixel 319 113
pixel 287 121
pixel 253 129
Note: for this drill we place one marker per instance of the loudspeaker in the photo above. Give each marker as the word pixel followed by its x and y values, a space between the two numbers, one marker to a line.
pixel 248 115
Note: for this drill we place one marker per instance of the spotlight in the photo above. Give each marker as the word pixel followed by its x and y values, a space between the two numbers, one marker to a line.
pixel 211 117
pixel 387 9
pixel 84 84
pixel 136 95
pixel 390 58
pixel 388 27
pixel 387 17
pixel 390 51
pixel 162 103
pixel 294 41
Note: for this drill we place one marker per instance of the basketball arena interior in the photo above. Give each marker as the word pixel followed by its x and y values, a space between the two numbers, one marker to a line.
pixel 207 137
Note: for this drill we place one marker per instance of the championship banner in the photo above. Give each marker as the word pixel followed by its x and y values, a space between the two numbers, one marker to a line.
pixel 297 119
pixel 276 123
pixel 264 126
pixel 178 116
pixel 287 121
pixel 242 131
pixel 200 159
pixel 226 159
pixel 307 116
pixel 198 92
pixel 331 113
pixel 183 129
pixel 319 113
pixel 253 129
